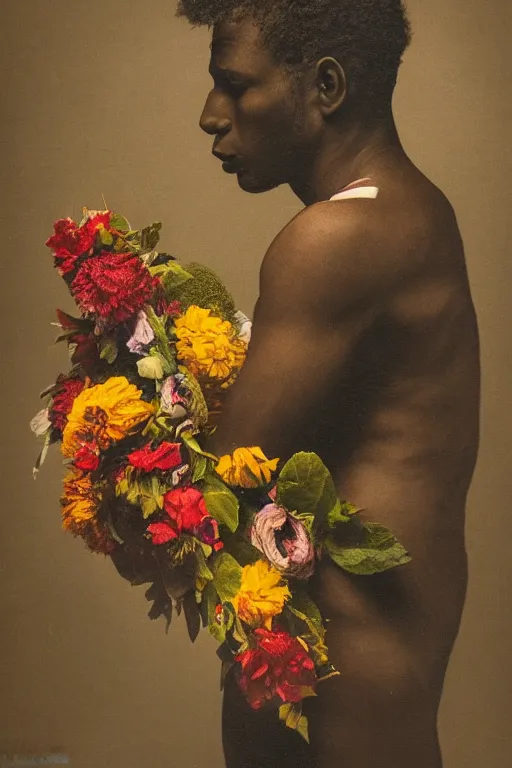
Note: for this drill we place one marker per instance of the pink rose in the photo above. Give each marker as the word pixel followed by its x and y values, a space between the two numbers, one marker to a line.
pixel 284 541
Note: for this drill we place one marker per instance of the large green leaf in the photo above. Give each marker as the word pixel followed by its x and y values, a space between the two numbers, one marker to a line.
pixel 305 485
pixel 227 576
pixel 220 501
pixel 378 550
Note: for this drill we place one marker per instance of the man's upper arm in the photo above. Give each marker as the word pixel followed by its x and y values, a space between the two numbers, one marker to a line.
pixel 322 284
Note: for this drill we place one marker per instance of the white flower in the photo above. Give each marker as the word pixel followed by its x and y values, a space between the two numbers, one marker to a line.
pixel 245 327
pixel 142 335
pixel 40 424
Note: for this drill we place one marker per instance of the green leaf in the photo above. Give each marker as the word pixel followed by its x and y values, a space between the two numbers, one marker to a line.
pixel 240 635
pixel 302 728
pixel 192 615
pixel 227 576
pixel 149 257
pixel 119 222
pixel 303 603
pixel 378 550
pixel 200 467
pixel 221 502
pixel 194 446
pixel 291 715
pixel 150 236
pixel 108 349
pixel 305 485
pixel 105 236
pixel 203 574
pixel 241 548
pixel 161 339
pixel 310 631
pixel 209 599
pixel 162 604
pixel 172 276
pixel 341 513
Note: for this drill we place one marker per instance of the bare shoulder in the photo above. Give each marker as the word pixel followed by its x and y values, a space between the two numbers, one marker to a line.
pixel 363 249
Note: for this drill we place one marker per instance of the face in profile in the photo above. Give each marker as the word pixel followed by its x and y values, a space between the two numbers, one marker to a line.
pixel 255 110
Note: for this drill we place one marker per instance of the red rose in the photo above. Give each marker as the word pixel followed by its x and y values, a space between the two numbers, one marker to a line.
pixel 186 507
pixel 98 221
pixel 188 514
pixel 165 456
pixel 87 458
pixel 70 241
pixel 114 286
pixel 279 665
pixel 64 394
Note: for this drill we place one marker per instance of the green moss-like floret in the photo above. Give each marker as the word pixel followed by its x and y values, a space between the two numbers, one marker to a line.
pixel 207 290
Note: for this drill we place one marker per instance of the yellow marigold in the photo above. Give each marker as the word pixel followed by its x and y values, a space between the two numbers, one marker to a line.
pixel 246 467
pixel 80 500
pixel 105 412
pixel 260 597
pixel 208 345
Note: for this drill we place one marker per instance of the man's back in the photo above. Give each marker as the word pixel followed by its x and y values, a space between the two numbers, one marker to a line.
pixel 399 430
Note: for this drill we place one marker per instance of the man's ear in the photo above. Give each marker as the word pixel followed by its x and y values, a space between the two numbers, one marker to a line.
pixel 331 84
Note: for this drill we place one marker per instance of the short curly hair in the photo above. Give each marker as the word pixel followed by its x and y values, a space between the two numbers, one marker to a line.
pixel 367 37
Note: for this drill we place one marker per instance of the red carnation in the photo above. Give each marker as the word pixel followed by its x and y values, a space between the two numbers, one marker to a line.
pixel 66 390
pixel 161 533
pixel 279 665
pixel 114 286
pixel 165 456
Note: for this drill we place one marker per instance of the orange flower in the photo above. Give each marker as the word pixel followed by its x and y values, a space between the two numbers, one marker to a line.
pixel 261 595
pixel 105 413
pixel 80 500
pixel 80 503
pixel 246 467
pixel 208 345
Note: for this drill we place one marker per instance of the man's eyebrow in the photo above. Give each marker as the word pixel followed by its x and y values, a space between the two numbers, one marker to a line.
pixel 226 71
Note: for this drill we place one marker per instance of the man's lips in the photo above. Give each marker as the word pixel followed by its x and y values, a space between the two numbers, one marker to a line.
pixel 230 163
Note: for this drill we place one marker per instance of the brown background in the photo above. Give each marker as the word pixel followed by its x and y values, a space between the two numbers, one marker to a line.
pixel 104 97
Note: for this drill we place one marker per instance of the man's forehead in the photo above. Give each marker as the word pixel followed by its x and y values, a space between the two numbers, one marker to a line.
pixel 237 42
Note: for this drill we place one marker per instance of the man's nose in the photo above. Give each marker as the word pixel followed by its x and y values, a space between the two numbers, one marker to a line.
pixel 214 119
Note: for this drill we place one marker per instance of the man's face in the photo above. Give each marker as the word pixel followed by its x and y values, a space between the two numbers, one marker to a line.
pixel 254 110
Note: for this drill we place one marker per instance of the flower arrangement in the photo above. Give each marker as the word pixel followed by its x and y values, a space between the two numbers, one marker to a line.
pixel 231 541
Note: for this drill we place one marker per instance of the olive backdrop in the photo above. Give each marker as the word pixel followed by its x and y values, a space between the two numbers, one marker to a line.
pixel 104 98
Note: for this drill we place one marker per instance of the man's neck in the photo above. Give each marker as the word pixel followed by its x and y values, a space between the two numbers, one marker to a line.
pixel 347 155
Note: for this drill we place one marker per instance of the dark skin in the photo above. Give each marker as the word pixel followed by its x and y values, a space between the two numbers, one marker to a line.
pixel 365 350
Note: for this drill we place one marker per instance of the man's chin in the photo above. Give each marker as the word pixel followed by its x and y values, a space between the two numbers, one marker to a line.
pixel 254 185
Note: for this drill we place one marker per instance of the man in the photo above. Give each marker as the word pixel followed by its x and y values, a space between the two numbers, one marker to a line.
pixel 364 349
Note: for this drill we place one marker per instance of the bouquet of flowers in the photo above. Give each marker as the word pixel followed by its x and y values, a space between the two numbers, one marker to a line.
pixel 231 541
